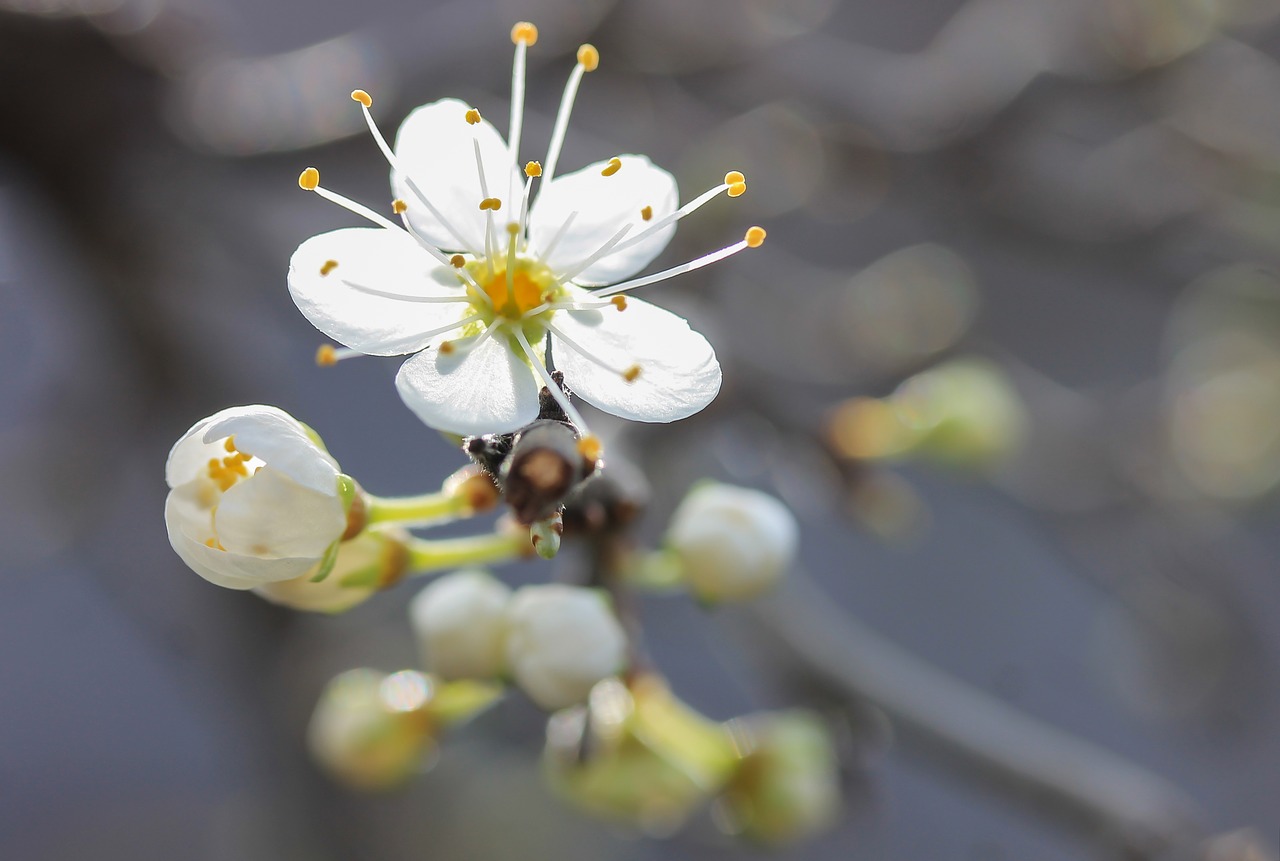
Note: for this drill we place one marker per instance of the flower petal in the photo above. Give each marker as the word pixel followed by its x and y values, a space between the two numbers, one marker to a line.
pixel 278 439
pixel 474 390
pixel 371 300
pixel 604 204
pixel 269 515
pixel 187 533
pixel 435 145
pixel 678 371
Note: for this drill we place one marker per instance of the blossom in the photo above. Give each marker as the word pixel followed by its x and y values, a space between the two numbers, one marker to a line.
pixel 484 281
pixel 560 641
pixel 253 498
pixel 460 625
pixel 732 542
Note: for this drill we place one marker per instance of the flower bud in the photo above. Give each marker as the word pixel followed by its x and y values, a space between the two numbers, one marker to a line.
pixel 371 730
pixel 637 756
pixel 460 625
pixel 254 498
pixel 560 641
pixel 732 543
pixel 964 413
pixel 787 784
pixel 373 560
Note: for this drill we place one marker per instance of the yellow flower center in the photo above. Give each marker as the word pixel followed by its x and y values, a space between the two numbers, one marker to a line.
pixel 514 290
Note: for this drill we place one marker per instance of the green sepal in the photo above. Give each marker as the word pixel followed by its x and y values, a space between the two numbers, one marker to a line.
pixel 347 490
pixel 313 436
pixel 326 562
pixel 367 577
pixel 657 571
pixel 462 700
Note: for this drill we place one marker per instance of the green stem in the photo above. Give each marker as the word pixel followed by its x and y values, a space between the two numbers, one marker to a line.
pixel 428 508
pixel 427 556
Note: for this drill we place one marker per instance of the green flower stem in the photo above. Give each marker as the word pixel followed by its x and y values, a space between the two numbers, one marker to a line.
pixel 428 556
pixel 439 507
pixel 702 748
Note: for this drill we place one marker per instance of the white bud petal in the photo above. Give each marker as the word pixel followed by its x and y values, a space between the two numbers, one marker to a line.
pixel 460 626
pixel 733 543
pixel 561 640
pixel 238 527
pixel 371 561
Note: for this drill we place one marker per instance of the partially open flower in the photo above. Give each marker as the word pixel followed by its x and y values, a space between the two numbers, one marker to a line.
pixel 560 641
pixel 787 785
pixel 732 543
pixel 254 498
pixel 460 624
pixel 483 268
pixel 373 560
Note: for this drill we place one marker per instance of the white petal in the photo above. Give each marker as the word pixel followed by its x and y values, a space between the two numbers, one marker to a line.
pixel 187 534
pixel 485 389
pixel 190 455
pixel 435 146
pixel 679 374
pixel 385 261
pixel 604 205
pixel 278 439
pixel 268 515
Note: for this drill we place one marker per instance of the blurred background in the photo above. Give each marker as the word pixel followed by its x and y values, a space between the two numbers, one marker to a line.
pixel 1045 230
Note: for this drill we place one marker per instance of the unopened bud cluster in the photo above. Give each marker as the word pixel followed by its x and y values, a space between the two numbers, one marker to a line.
pixel 554 641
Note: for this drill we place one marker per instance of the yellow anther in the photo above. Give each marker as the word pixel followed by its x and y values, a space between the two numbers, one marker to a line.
pixel 235 465
pixel 631 374
pixel 614 165
pixel 734 177
pixel 329 266
pixel 230 444
pixel 398 206
pixel 619 302
pixel 590 447
pixel 473 116
pixel 326 356
pixel 533 168
pixel 647 213
pixel 737 189
pixel 524 32
pixel 588 57
pixel 458 261
pixel 362 97
pixel 214 543
pixel 492 203
pixel 309 179
pixel 447 348
pixel 755 237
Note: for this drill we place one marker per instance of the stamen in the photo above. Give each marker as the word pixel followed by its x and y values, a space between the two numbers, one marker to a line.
pixel 737 183
pixel 619 302
pixel 472 116
pixel 523 35
pixel 524 201
pixel 614 165
pixel 692 206
pixel 327 355
pixel 590 447
pixel 309 179
pixel 588 60
pixel 329 266
pixel 532 169
pixel 230 444
pixel 489 205
pixel 556 392
pixel 399 207
pixel 390 156
pixel 346 203
pixel 647 213
pixel 753 239
pixel 555 240
pixel 387 294
pixel 362 97
pixel 601 252
pixel 625 373
pixel 458 261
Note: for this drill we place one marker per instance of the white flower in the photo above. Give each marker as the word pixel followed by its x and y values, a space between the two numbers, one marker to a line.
pixel 460 625
pixel 481 273
pixel 733 543
pixel 561 640
pixel 368 563
pixel 253 499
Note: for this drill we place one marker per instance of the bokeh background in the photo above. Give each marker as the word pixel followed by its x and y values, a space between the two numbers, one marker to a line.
pixel 1083 193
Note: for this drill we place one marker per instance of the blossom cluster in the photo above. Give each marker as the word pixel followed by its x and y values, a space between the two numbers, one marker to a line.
pixel 509 286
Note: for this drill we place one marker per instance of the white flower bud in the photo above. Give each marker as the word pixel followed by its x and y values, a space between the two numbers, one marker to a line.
pixel 253 498
pixel 733 543
pixel 373 560
pixel 561 640
pixel 371 730
pixel 460 625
